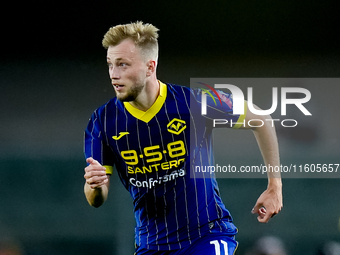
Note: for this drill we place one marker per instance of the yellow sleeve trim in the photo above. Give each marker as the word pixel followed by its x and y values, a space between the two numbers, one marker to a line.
pixel 242 117
pixel 109 169
pixel 153 110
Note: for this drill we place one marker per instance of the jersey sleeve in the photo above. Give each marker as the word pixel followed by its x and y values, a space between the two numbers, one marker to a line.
pixel 220 106
pixel 95 145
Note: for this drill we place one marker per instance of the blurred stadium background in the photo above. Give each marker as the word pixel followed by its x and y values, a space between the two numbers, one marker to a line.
pixel 53 75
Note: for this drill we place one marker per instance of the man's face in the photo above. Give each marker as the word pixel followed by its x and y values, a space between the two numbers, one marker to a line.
pixel 127 70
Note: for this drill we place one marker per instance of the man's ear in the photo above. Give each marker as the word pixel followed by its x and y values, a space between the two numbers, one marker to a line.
pixel 151 67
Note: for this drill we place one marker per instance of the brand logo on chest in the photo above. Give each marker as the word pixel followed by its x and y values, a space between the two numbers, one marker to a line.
pixel 121 134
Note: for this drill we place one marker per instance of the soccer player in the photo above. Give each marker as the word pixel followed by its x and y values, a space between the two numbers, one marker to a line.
pixel 154 134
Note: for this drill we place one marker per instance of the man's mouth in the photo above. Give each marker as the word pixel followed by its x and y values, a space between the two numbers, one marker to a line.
pixel 118 86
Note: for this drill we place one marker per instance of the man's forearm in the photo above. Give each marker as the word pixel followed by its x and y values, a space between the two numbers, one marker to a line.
pixel 96 197
pixel 268 145
pixel 271 198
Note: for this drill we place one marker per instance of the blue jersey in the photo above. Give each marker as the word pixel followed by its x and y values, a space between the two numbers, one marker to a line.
pixel 154 153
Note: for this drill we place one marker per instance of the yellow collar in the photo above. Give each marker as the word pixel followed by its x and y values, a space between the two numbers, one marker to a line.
pixel 153 110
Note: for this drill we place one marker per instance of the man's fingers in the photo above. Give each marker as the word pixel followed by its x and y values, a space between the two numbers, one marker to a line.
pixel 89 160
pixel 94 165
pixel 265 216
pixel 91 173
pixel 95 174
pixel 256 208
pixel 97 180
pixel 92 161
pixel 96 185
pixel 263 219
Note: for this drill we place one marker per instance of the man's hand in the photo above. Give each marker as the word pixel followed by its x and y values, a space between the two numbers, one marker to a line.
pixel 95 174
pixel 269 204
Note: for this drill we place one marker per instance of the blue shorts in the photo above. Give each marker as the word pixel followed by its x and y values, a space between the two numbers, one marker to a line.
pixel 210 244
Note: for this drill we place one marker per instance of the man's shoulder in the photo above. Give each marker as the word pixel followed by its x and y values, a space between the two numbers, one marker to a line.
pixel 176 89
pixel 176 86
pixel 110 105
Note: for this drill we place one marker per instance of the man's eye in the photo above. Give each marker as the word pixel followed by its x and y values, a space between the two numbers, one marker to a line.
pixel 123 64
pixel 109 64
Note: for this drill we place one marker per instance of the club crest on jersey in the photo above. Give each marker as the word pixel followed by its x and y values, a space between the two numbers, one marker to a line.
pixel 176 126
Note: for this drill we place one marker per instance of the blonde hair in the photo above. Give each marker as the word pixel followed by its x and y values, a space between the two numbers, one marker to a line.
pixel 143 35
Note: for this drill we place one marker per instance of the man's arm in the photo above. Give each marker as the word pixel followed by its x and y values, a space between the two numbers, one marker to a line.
pixel 271 198
pixel 97 183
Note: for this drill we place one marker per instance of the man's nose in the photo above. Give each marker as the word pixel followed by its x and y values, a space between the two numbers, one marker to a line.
pixel 114 74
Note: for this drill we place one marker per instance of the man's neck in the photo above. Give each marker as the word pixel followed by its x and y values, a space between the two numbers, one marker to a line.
pixel 148 96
